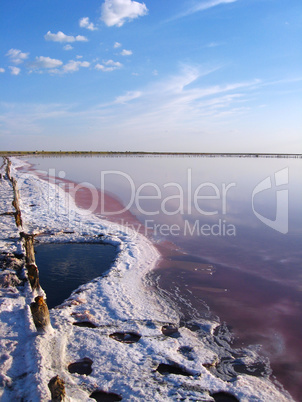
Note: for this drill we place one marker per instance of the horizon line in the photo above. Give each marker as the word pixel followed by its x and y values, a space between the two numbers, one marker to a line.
pixel 3 153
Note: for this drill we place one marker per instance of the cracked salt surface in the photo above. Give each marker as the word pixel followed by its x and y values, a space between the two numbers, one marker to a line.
pixel 120 302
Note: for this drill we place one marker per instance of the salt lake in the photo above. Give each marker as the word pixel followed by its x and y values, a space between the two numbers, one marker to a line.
pixel 229 230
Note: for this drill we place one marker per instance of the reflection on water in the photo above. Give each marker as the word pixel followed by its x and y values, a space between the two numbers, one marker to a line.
pixel 238 219
pixel 64 267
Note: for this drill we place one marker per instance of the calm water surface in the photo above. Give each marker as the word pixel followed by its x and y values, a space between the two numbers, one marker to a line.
pixel 64 267
pixel 230 230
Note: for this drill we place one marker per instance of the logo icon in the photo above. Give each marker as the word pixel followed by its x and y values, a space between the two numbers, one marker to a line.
pixel 280 224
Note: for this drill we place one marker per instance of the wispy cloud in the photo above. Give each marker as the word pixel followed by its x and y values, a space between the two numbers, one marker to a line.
pixel 85 23
pixel 61 37
pixel 201 6
pixel 214 44
pixel 16 56
pixel 129 96
pixel 117 12
pixel 178 102
pixel 117 45
pixel 2 70
pixel 175 107
pixel 25 119
pixel 182 96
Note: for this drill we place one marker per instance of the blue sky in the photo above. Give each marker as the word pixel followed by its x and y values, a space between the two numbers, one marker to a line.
pixel 199 76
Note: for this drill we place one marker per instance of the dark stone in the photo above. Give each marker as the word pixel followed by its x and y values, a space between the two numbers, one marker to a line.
pixel 103 396
pixel 82 366
pixel 186 351
pixel 198 327
pixel 57 389
pixel 40 313
pixel 86 324
pixel 257 369
pixel 224 397
pixel 126 337
pixel 170 330
pixel 173 368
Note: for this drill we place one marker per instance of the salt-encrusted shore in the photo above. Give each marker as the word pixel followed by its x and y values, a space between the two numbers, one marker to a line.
pixel 121 301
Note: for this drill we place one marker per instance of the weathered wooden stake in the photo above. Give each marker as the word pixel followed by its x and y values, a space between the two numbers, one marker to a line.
pixel 40 313
pixel 33 276
pixel 29 247
pixel 8 165
pixel 16 203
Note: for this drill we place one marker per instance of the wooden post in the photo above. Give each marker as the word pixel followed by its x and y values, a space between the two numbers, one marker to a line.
pixel 33 276
pixel 32 269
pixel 29 247
pixel 8 165
pixel 16 203
pixel 40 313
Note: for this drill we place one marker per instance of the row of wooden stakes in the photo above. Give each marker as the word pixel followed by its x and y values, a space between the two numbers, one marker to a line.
pixel 39 308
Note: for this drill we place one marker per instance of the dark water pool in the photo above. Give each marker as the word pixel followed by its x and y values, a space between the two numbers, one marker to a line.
pixel 64 267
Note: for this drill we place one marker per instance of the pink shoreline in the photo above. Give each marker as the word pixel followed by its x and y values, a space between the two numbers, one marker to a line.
pixel 83 200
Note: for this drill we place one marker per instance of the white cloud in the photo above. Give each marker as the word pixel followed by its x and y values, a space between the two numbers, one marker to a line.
pixel 16 56
pixel 85 23
pixel 128 97
pixel 209 4
pixel 73 65
pixel 202 6
pixel 14 70
pixel 109 65
pixel 117 12
pixel 55 66
pixel 45 62
pixel 2 70
pixel 67 47
pixel 116 45
pixel 61 37
pixel 125 52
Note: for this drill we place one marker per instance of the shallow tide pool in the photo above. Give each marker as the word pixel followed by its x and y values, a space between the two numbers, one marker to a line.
pixel 64 267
